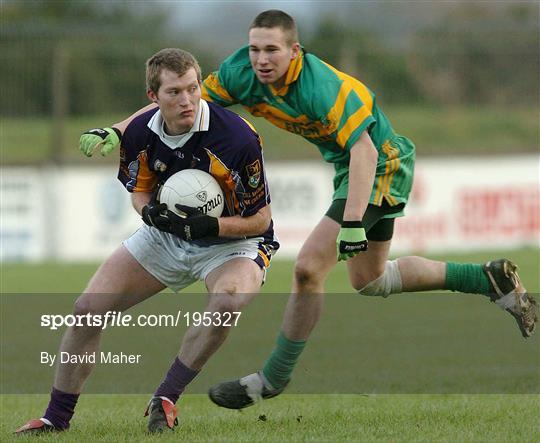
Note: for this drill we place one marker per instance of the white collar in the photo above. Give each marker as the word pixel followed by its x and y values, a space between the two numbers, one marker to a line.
pixel 202 123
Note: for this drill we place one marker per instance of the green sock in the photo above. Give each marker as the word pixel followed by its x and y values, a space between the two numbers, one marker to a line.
pixel 280 364
pixel 467 277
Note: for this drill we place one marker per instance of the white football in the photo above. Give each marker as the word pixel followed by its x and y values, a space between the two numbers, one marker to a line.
pixel 195 188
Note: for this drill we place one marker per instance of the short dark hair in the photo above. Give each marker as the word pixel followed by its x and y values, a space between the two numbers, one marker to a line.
pixel 173 59
pixel 274 18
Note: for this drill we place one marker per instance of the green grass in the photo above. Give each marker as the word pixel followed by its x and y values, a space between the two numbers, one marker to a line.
pixel 298 418
pixel 435 131
pixel 70 278
pixel 469 130
pixel 459 351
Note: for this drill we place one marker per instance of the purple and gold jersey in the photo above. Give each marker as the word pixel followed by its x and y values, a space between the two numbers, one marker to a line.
pixel 225 146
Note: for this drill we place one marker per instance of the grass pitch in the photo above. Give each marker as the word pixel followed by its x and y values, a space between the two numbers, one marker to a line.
pixel 295 418
pixel 326 417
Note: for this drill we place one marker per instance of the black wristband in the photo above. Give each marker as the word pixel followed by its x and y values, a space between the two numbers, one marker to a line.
pixel 118 133
pixel 352 224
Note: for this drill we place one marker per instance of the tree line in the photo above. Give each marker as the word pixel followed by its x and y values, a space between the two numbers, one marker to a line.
pixel 477 55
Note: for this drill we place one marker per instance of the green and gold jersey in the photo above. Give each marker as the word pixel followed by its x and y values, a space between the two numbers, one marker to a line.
pixel 325 106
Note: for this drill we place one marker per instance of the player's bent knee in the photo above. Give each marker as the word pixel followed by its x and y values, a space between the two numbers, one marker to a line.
pixel 91 304
pixel 226 290
pixel 82 306
pixel 387 283
pixel 224 303
pixel 305 273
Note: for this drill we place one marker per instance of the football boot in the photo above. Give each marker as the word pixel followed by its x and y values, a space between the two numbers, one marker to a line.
pixel 36 426
pixel 509 294
pixel 243 392
pixel 162 415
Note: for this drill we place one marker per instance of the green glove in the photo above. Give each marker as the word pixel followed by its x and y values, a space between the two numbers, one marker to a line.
pixel 351 240
pixel 108 138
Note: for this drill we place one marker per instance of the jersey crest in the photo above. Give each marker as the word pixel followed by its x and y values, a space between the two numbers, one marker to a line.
pixel 254 173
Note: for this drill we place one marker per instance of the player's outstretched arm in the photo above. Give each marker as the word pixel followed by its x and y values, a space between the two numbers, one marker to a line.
pixel 107 139
pixel 362 166
pixel 121 126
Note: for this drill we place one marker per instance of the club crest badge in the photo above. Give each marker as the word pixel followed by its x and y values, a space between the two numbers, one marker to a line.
pixel 202 196
pixel 254 173
pixel 159 166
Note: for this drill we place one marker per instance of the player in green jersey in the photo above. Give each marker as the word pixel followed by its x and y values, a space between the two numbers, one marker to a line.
pixel 274 77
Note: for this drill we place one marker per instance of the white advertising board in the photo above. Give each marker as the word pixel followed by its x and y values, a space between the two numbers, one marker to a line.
pixel 301 194
pixel 96 214
pixel 24 195
pixel 457 204
pixel 460 204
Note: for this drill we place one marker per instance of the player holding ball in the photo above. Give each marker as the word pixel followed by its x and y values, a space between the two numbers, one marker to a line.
pixel 230 253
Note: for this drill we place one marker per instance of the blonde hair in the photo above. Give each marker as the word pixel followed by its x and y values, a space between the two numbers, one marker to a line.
pixel 172 59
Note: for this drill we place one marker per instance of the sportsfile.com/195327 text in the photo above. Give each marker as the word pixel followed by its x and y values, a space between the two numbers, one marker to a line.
pixel 119 319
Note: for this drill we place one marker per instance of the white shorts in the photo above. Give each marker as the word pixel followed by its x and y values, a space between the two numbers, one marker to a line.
pixel 177 263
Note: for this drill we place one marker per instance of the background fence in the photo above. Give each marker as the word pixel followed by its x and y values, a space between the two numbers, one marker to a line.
pixel 458 78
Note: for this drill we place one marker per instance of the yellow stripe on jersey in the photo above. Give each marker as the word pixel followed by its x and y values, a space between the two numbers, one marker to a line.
pixel 384 182
pixel 211 83
pixel 293 72
pixel 334 115
pixel 146 179
pixel 205 95
pixel 300 125
pixel 265 258
pixel 268 111
pixel 357 85
pixel 351 124
pixel 349 84
pixel 392 169
pixel 224 177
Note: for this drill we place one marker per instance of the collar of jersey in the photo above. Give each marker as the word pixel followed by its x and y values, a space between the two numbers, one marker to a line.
pixel 202 123
pixel 292 75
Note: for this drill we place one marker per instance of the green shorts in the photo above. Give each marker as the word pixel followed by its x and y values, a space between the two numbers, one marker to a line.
pixel 394 176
